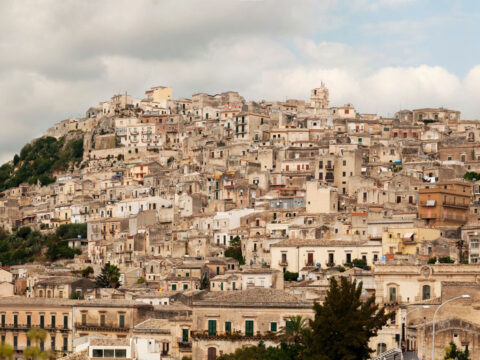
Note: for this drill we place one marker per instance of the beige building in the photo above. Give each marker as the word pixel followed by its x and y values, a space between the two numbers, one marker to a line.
pixel 321 199
pixel 226 321
pixel 294 254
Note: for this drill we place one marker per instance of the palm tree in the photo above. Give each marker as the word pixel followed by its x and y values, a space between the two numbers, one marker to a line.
pixel 295 329
pixel 36 336
pixel 6 351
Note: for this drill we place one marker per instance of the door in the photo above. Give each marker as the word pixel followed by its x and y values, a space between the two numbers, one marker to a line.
pixel 212 353
pixel 310 258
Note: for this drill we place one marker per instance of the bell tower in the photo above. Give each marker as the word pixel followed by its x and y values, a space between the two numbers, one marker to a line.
pixel 319 97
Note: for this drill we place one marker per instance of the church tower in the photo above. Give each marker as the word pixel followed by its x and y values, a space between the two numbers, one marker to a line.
pixel 319 97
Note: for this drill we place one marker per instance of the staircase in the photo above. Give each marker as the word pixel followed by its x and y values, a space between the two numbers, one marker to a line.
pixel 392 354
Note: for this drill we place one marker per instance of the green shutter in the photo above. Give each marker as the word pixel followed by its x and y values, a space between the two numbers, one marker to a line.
pixel 122 321
pixel 228 326
pixel 184 335
pixel 212 327
pixel 174 287
pixel 273 326
pixel 289 325
pixel 249 327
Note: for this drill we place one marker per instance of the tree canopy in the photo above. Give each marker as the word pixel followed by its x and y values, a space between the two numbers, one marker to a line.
pixel 453 353
pixel 235 250
pixel 38 160
pixel 341 329
pixel 343 324
pixel 26 245
pixel 109 277
pixel 261 352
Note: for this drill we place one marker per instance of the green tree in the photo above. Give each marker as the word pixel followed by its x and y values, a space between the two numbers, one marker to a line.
pixel 36 336
pixel 109 277
pixel 295 329
pixel 6 351
pixel 261 352
pixel 471 175
pixel 235 250
pixel 360 263
pixel 141 280
pixel 87 272
pixel 204 283
pixel 343 324
pixel 453 353
pixel 290 276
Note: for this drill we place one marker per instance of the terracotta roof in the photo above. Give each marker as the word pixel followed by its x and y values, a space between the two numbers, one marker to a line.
pixel 255 297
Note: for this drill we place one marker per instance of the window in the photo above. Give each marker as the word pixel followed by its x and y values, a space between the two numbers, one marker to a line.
pixel 52 342
pixel 121 320
pixel 84 319
pixel 273 326
pixel 392 292
pixel 42 321
pixel 228 326
pixel 65 343
pixel 330 259
pixel 3 320
pixel 108 353
pixel 249 327
pixel 102 320
pixel 29 321
pixel 53 321
pixel 185 286
pixel 15 341
pixel 425 292
pixel 174 287
pixel 97 353
pixel 212 327
pixel 15 320
pixel 185 335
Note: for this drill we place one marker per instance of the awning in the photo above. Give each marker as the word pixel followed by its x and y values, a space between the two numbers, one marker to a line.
pixel 408 235
pixel 430 202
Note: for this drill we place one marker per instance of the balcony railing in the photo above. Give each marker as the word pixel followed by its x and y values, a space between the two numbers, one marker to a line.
pixel 454 205
pixel 101 327
pixel 283 263
pixel 25 327
pixel 185 345
pixel 232 336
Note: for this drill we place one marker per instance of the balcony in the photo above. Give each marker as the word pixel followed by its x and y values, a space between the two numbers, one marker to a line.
pixel 232 336
pixel 454 205
pixel 134 131
pixel 101 327
pixel 283 263
pixel 185 346
pixel 24 327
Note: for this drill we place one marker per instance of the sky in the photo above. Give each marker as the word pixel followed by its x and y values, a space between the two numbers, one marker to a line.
pixel 58 58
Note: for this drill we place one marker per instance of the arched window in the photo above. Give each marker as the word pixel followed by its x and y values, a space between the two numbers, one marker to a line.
pixel 425 292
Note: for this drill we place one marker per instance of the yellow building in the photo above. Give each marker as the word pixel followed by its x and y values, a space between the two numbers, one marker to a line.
pixel 159 94
pixel 407 240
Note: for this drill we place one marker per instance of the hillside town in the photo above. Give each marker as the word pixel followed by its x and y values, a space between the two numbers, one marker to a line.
pixel 225 218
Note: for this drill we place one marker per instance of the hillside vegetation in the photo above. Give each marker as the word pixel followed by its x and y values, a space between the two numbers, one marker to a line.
pixel 37 161
pixel 26 245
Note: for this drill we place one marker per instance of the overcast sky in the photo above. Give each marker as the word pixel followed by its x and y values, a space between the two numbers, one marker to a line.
pixel 60 57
